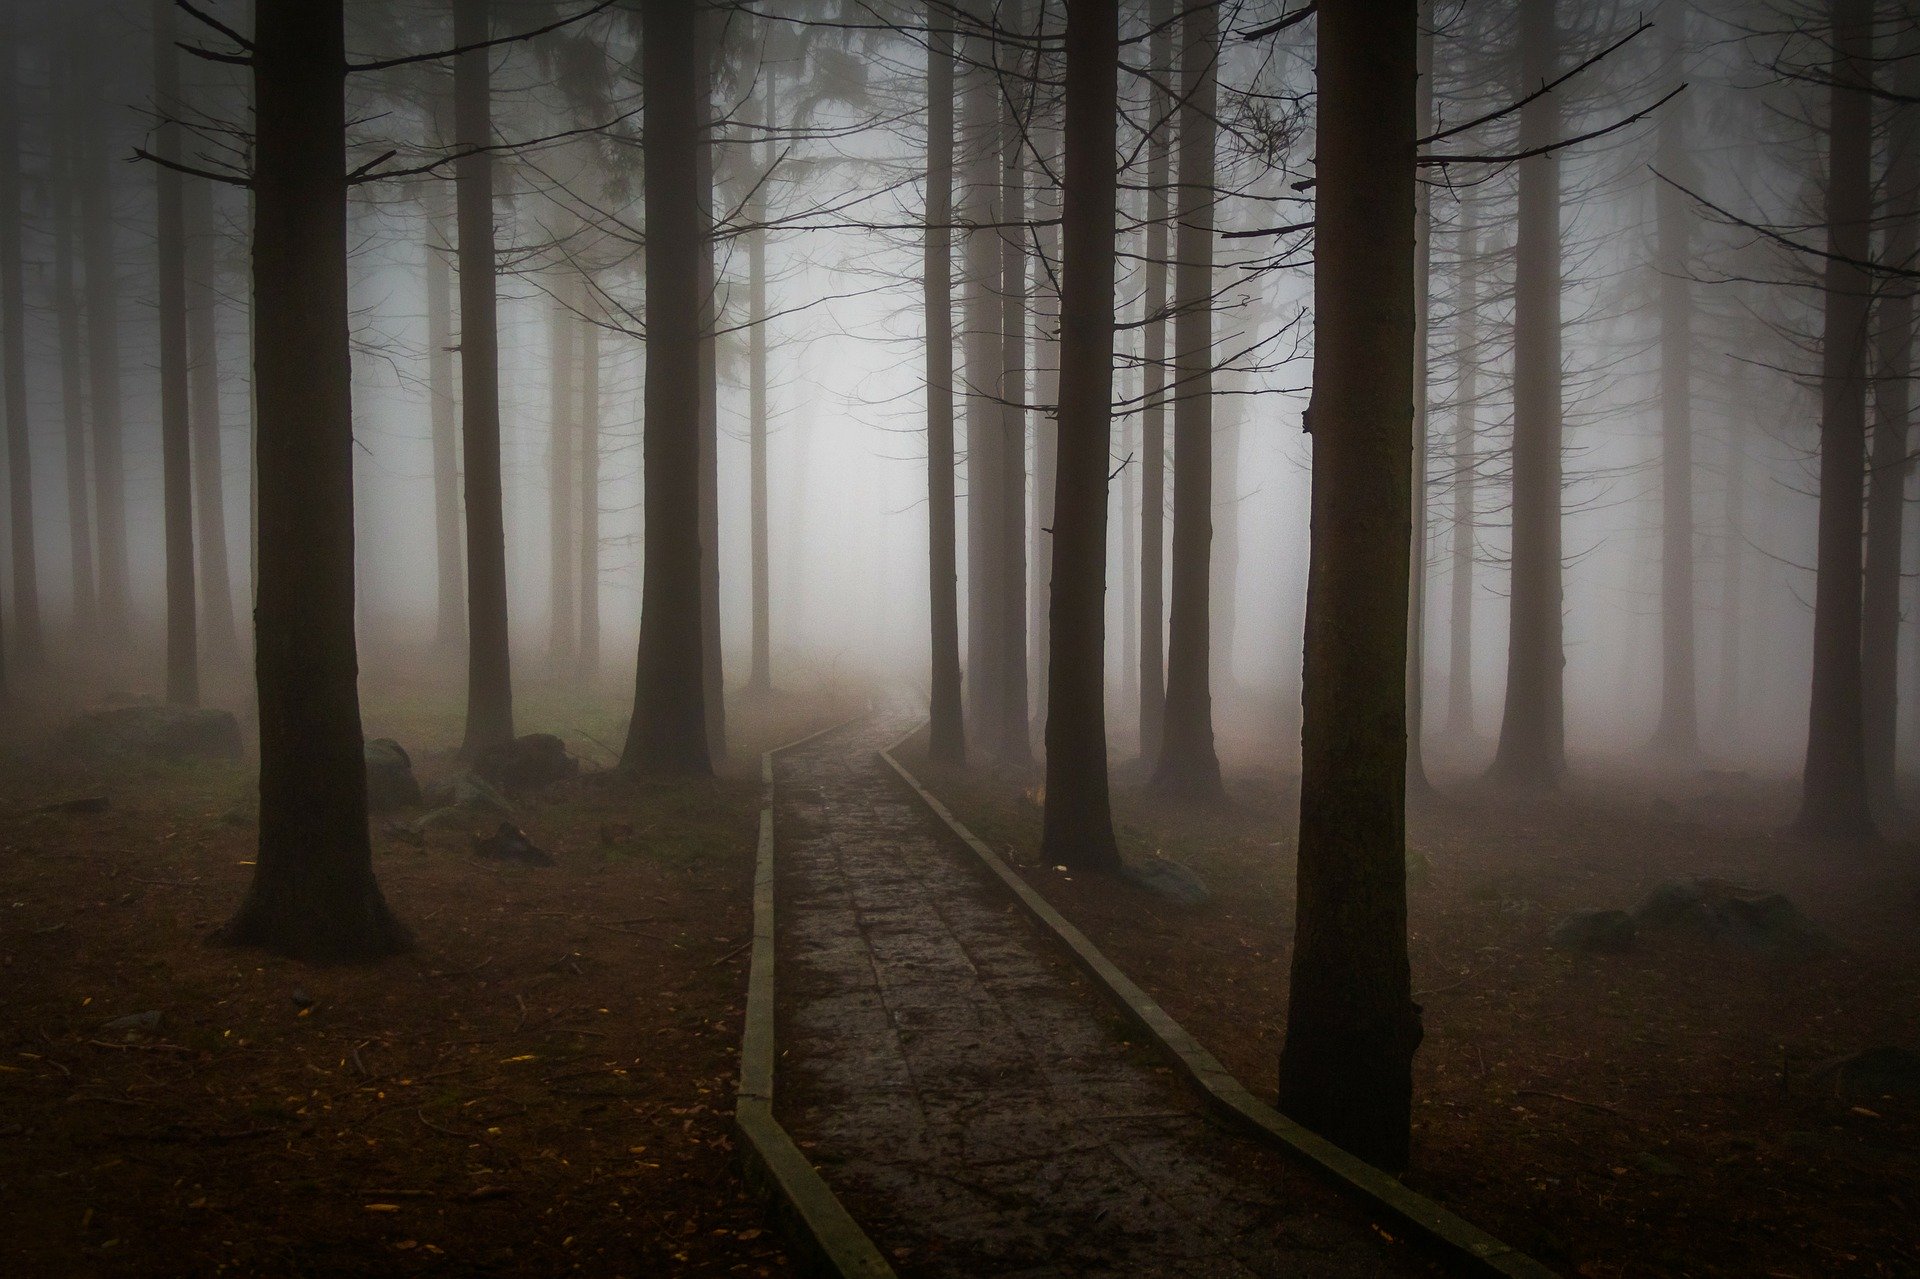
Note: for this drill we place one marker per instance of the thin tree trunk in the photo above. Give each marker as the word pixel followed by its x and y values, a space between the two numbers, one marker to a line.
pixel 1188 766
pixel 73 407
pixel 667 734
pixel 1153 420
pixel 1679 728
pixel 1465 464
pixel 1532 750
pixel 979 206
pixel 103 364
pixel 562 427
pixel 590 487
pixel 1014 743
pixel 1077 824
pixel 1886 493
pixel 946 742
pixel 760 673
pixel 489 661
pixel 1352 1025
pixel 1046 398
pixel 450 625
pixel 313 894
pixel 1225 565
pixel 712 669
pixel 176 439
pixel 1733 558
pixel 27 638
pixel 1834 801
pixel 1422 426
pixel 209 478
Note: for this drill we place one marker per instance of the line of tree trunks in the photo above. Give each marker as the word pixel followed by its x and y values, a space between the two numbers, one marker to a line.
pixel 489 659
pixel 1834 801
pixel 217 627
pixel 1153 419
pixel 313 894
pixel 667 735
pixel 450 617
pixel 1014 740
pixel 947 741
pixel 27 639
pixel 1077 823
pixel 176 440
pixel 1679 728
pixel 1532 750
pixel 1352 1025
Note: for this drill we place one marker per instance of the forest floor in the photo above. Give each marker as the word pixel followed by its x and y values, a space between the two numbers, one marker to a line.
pixel 543 1086
pixel 1662 1111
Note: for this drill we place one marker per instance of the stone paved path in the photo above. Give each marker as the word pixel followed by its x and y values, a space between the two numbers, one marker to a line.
pixel 971 1098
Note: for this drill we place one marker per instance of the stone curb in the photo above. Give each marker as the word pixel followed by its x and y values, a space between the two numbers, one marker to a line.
pixel 1458 1242
pixel 802 1205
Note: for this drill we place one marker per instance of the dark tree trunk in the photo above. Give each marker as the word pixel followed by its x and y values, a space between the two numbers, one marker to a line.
pixel 1892 437
pixel 1352 1025
pixel 73 407
pixel 1834 801
pixel 1188 766
pixel 1077 825
pixel 1679 728
pixel 562 427
pixel 668 732
pixel 103 364
pixel 1532 750
pixel 176 439
pixel 760 672
pixel 313 895
pixel 714 701
pixel 590 487
pixel 450 625
pixel 27 639
pixel 947 741
pixel 979 201
pixel 489 662
pixel 1153 420
pixel 209 479
pixel 1465 461
pixel 1014 744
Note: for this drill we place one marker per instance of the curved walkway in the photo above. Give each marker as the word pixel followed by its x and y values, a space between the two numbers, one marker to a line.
pixel 972 1099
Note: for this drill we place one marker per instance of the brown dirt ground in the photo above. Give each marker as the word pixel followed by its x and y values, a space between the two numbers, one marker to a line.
pixel 1659 1112
pixel 544 1086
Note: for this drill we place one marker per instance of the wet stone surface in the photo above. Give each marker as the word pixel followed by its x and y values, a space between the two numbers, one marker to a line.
pixel 977 1105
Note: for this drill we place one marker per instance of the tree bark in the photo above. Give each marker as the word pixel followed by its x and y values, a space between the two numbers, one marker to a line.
pixel 1834 801
pixel 946 742
pixel 667 735
pixel 1532 750
pixel 313 894
pixel 1153 420
pixel 176 439
pixel 489 661
pixel 450 620
pixel 1352 1025
pixel 1077 823
pixel 1188 766
pixel 203 393
pixel 28 642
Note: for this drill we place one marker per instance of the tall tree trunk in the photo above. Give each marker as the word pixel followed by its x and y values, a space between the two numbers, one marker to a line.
pixel 715 702
pixel 489 661
pixel 979 209
pixel 313 895
pixel 947 741
pixel 1465 463
pixel 667 734
pixel 1892 438
pixel 27 638
pixel 450 619
pixel 1129 602
pixel 1046 398
pixel 203 394
pixel 176 439
pixel 1225 565
pixel 1352 1026
pixel 760 673
pixel 1422 426
pixel 103 364
pixel 1077 824
pixel 1532 750
pixel 1014 744
pixel 73 406
pixel 1733 558
pixel 1153 419
pixel 1679 729
pixel 590 486
pixel 562 427
pixel 1834 802
pixel 1188 766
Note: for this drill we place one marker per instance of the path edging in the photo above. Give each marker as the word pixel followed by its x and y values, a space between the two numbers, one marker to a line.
pixel 803 1205
pixel 1456 1239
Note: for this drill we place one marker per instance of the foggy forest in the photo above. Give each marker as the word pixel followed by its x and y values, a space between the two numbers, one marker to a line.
pixel 1230 638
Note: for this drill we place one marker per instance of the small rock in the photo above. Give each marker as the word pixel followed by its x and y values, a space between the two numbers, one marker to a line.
pixel 390 780
pixel 1169 879
pixel 146 1021
pixel 1749 917
pixel 527 763
pixel 510 844
pixel 1595 931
